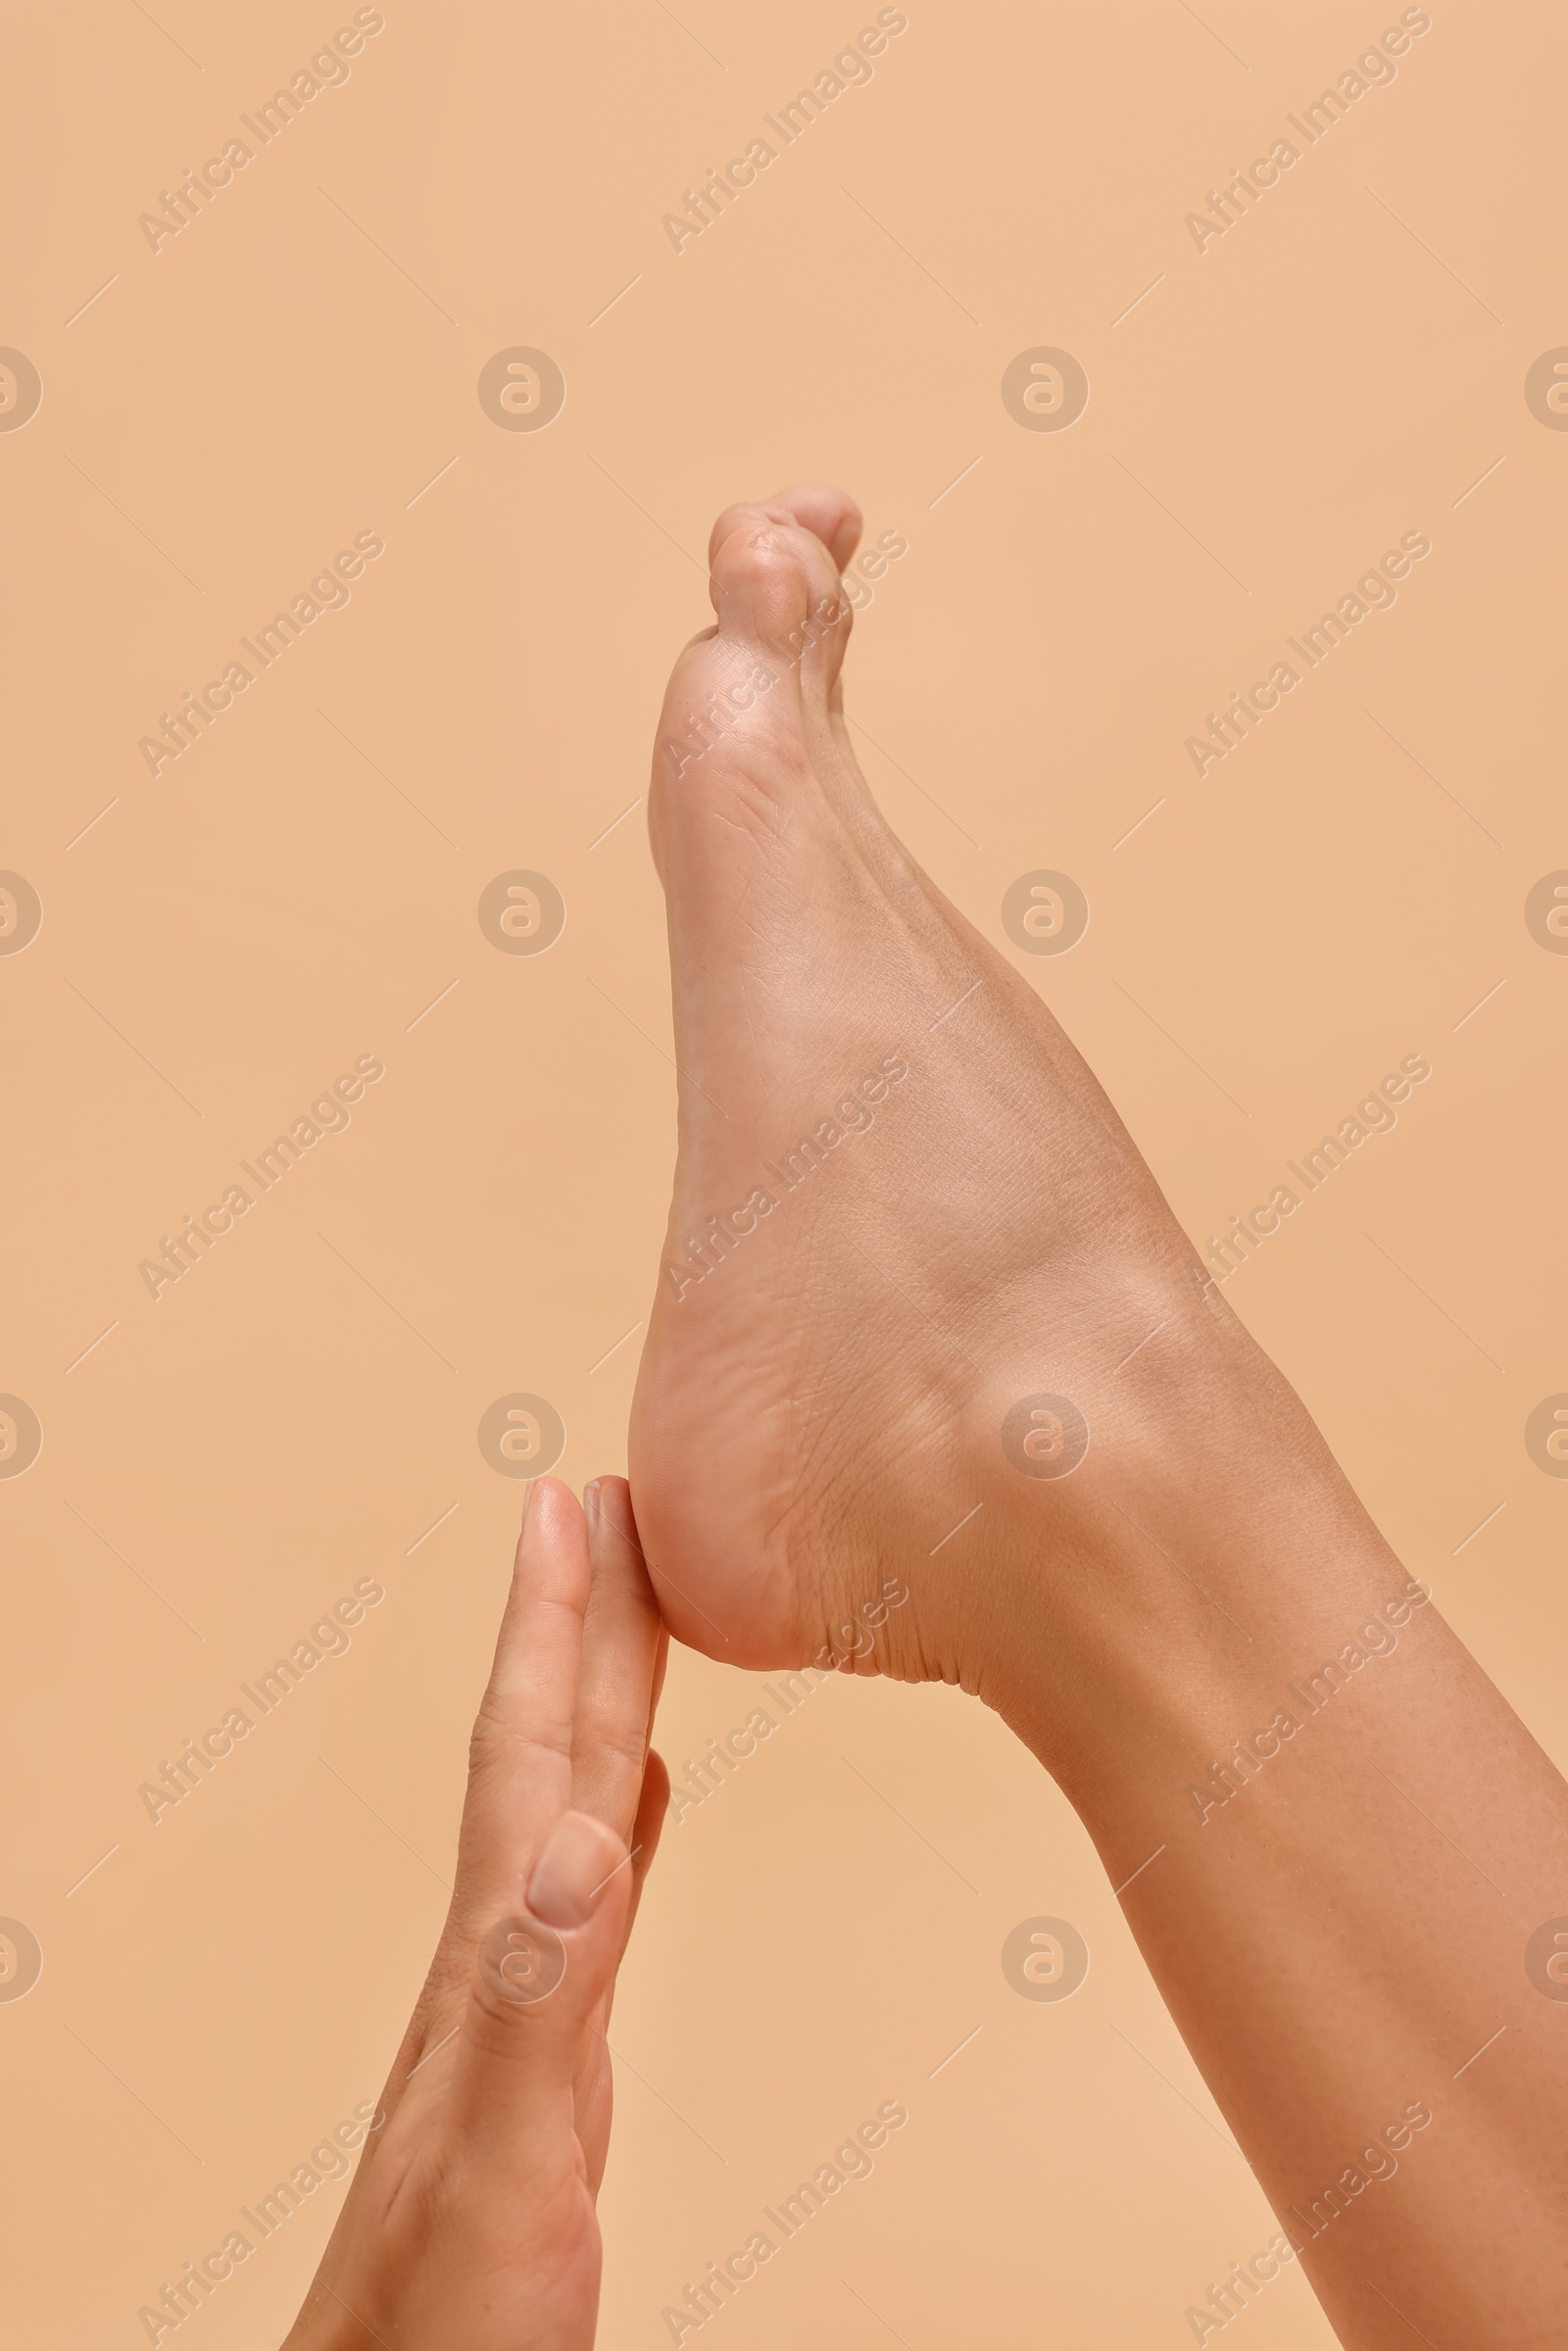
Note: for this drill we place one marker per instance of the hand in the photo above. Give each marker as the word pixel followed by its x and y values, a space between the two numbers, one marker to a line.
pixel 471 2224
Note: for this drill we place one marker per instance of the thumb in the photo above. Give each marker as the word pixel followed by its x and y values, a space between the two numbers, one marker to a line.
pixel 539 1976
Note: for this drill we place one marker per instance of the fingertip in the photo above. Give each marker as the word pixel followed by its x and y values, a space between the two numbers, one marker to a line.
pixel 549 1508
pixel 615 1510
pixel 551 1552
pixel 615 1544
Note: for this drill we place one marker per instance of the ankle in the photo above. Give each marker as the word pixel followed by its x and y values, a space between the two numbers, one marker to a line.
pixel 1146 1546
pixel 1180 1619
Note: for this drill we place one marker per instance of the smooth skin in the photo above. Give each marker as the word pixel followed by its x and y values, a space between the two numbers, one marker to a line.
pixel 838 1337
pixel 470 2223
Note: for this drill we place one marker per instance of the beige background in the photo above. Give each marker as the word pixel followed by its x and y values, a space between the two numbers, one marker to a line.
pixel 297 365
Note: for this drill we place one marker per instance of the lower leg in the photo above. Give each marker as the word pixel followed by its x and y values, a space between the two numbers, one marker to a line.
pixel 911 1251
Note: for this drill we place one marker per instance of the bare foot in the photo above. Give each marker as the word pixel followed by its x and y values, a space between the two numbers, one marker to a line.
pixel 903 1209
pixel 932 1378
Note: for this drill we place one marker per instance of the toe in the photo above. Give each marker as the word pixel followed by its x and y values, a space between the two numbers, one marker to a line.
pixel 829 514
pixel 775 560
pixel 775 588
pixel 766 578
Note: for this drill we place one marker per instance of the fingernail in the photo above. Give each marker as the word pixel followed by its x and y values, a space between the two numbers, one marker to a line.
pixel 527 1497
pixel 590 1505
pixel 572 1871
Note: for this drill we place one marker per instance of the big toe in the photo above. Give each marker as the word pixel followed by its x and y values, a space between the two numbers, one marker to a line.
pixel 753 706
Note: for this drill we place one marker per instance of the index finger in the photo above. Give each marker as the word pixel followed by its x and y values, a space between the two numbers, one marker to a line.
pixel 519 1764
pixel 623 1656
